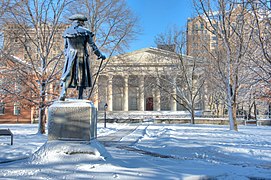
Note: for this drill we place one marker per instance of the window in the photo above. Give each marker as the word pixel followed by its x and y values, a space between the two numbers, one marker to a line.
pixel 17 86
pixel 214 44
pixel 196 27
pixel 233 25
pixel 214 38
pixel 240 19
pixel 17 109
pixel 2 108
pixel 215 25
pixel 201 26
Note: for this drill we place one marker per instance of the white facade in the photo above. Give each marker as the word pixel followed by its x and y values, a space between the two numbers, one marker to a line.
pixel 131 82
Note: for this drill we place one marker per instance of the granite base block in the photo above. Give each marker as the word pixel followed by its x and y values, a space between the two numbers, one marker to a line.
pixel 72 120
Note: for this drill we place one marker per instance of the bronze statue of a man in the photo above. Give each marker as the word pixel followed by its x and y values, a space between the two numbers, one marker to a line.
pixel 76 71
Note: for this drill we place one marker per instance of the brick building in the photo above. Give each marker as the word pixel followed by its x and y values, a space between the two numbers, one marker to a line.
pixel 13 106
pixel 20 72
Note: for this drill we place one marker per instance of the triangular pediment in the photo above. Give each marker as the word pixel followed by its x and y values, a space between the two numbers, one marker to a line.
pixel 147 61
pixel 145 56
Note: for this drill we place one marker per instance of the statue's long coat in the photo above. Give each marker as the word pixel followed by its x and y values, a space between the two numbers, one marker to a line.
pixel 76 71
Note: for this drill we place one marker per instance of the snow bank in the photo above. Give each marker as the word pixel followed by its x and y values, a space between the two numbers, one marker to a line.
pixel 250 147
pixel 25 142
pixel 60 151
pixel 151 151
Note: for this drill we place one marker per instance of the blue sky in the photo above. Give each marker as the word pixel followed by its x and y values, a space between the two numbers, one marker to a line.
pixel 156 16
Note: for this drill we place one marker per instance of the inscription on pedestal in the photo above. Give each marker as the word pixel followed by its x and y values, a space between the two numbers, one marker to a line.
pixel 72 120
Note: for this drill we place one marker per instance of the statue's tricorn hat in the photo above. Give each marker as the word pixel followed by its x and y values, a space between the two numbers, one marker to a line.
pixel 79 17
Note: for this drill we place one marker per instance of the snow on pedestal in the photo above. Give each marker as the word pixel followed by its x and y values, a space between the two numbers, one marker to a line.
pixel 72 132
pixel 72 120
pixel 56 151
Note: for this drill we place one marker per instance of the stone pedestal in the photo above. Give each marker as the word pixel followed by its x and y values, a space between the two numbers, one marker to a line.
pixel 72 120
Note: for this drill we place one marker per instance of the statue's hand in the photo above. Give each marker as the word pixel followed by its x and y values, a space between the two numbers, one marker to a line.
pixel 63 79
pixel 102 57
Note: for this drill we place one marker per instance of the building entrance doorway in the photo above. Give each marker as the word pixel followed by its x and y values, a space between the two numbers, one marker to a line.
pixel 149 104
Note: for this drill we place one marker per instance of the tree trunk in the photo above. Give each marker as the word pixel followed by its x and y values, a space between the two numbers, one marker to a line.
pixel 217 110
pixel 42 120
pixel 230 95
pixel 232 115
pixel 42 115
pixel 255 110
pixel 230 106
pixel 235 127
pixel 249 112
pixel 192 116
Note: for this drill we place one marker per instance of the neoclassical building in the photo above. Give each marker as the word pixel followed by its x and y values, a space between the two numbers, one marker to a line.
pixel 141 80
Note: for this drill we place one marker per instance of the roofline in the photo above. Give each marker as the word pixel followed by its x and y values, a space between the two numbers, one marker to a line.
pixel 148 49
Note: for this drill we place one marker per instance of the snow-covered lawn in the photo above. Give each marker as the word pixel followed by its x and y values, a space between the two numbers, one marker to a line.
pixel 151 151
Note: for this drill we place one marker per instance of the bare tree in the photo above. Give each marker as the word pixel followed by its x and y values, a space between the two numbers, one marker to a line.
pixel 229 21
pixel 199 45
pixel 259 55
pixel 186 75
pixel 31 30
pixel 33 33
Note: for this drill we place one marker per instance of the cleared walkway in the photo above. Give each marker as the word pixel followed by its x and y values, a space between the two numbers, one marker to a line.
pixel 114 139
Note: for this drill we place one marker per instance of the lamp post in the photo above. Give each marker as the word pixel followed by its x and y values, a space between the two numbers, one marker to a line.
pixel 105 108
pixel 217 111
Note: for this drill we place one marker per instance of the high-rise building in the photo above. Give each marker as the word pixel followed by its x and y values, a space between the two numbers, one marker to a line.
pixel 201 38
pixel 206 37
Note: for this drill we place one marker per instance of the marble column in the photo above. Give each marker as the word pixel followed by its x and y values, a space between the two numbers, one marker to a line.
pixel 96 94
pixel 157 96
pixel 33 109
pixel 109 93
pixel 126 94
pixel 173 102
pixel 141 94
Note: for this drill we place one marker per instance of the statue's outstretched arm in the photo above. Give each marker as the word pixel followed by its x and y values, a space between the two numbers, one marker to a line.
pixel 95 49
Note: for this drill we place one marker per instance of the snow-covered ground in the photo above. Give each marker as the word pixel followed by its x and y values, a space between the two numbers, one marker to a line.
pixel 147 151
